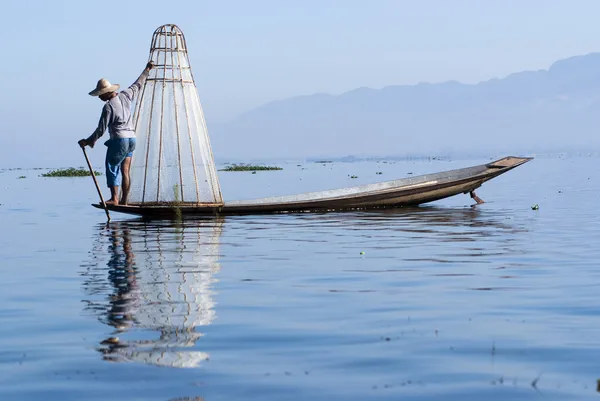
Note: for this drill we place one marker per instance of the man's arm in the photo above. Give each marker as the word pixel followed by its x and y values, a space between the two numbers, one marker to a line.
pixel 102 125
pixel 135 87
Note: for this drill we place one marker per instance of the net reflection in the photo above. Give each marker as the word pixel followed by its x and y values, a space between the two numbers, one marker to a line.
pixel 154 276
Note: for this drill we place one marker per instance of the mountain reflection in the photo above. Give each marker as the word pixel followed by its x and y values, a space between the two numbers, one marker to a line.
pixel 152 283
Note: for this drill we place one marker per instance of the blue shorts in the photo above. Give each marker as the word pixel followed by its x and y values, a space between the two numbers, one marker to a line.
pixel 118 150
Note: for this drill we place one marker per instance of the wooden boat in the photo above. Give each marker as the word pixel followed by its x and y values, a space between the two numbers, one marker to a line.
pixel 396 193
pixel 173 172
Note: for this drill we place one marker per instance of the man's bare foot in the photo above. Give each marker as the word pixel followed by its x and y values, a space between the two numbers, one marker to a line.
pixel 112 202
pixel 123 202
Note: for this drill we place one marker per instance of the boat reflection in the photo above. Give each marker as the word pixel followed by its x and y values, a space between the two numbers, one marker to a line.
pixel 157 277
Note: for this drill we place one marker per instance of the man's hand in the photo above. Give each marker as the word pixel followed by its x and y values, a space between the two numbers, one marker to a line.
pixel 150 65
pixel 82 143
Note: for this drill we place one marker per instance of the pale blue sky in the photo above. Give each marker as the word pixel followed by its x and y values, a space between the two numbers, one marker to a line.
pixel 245 53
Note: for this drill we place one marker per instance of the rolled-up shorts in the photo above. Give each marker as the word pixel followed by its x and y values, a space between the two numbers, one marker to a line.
pixel 118 150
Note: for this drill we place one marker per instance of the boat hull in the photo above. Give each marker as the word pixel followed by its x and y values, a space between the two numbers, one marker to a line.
pixel 397 193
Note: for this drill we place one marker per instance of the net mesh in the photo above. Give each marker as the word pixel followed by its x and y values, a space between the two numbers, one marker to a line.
pixel 173 161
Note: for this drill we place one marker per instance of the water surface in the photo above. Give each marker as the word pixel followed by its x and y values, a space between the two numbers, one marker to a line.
pixel 443 301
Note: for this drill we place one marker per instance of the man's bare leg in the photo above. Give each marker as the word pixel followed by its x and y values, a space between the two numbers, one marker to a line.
pixel 114 196
pixel 126 180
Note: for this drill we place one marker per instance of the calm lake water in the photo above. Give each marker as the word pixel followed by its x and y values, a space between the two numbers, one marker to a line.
pixel 496 302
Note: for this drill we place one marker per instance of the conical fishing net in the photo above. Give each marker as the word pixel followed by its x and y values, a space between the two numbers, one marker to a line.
pixel 173 160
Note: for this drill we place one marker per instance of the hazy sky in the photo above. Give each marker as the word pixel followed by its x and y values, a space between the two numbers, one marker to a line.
pixel 245 53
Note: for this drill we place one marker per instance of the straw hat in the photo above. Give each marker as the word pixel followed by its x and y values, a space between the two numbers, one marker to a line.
pixel 103 86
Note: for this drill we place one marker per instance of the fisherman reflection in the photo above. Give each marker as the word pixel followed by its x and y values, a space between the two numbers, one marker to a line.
pixel 168 290
pixel 122 277
pixel 121 274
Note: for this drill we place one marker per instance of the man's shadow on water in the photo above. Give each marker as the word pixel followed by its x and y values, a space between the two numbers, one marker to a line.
pixel 158 277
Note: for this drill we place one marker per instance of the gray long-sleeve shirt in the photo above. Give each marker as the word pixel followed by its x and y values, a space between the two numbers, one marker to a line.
pixel 116 113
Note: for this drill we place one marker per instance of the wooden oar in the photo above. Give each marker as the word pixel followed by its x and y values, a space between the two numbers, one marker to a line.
pixel 95 182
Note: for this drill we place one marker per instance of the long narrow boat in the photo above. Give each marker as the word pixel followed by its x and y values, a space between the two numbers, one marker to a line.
pixel 173 172
pixel 397 193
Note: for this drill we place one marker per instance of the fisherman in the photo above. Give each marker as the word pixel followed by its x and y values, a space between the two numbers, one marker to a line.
pixel 117 117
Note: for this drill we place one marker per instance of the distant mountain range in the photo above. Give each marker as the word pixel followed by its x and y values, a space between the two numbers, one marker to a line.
pixel 552 109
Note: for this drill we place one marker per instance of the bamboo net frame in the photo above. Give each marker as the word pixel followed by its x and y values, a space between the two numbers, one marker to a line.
pixel 173 162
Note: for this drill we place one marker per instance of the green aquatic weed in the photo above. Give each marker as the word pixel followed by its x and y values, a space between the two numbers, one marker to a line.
pixel 69 172
pixel 249 167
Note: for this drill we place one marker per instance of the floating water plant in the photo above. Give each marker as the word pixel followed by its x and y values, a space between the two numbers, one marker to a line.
pixel 69 172
pixel 249 167
pixel 535 207
pixel 22 177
